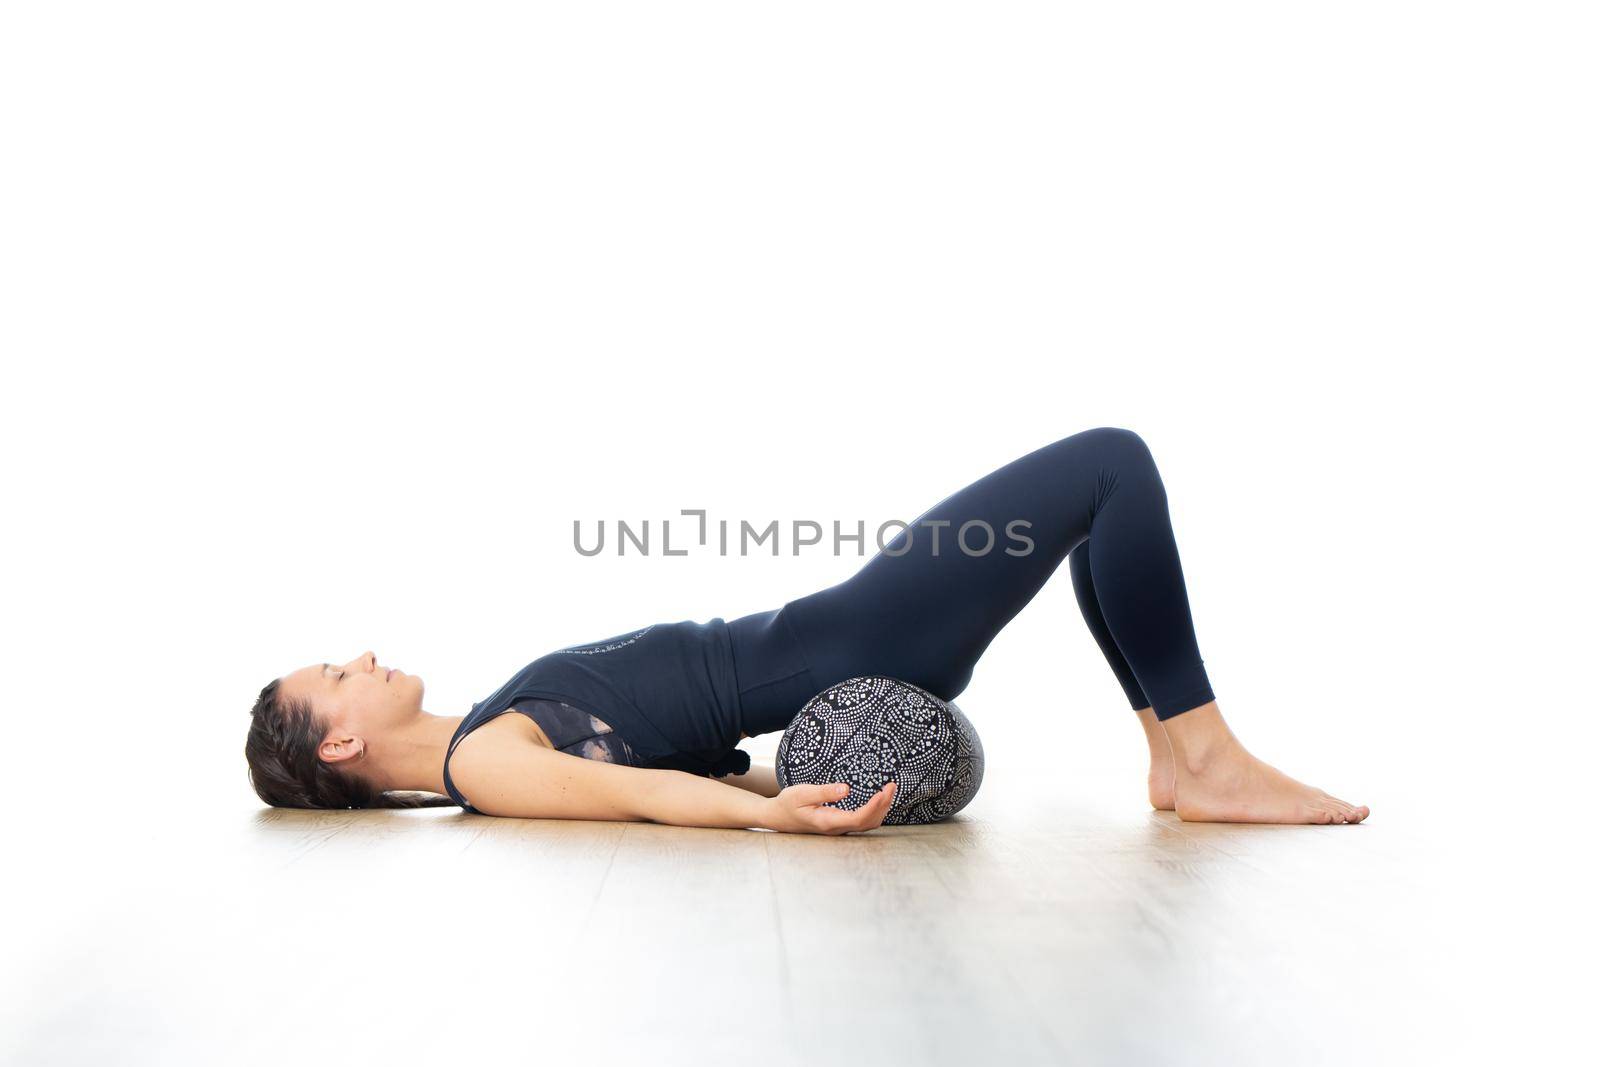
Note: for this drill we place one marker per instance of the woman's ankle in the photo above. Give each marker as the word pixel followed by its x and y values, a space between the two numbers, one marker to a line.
pixel 1200 737
pixel 1154 735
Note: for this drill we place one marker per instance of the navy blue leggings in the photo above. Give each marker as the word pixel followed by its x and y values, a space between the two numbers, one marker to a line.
pixel 926 607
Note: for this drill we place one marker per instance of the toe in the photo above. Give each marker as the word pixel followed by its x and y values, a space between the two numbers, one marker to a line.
pixel 1355 814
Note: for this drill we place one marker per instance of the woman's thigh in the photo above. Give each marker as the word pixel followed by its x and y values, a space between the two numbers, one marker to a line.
pixel 928 604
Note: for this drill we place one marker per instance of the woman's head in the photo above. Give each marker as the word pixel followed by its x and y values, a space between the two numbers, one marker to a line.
pixel 312 734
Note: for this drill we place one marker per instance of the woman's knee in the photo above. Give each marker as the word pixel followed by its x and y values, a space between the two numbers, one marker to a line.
pixel 1124 454
pixel 1117 441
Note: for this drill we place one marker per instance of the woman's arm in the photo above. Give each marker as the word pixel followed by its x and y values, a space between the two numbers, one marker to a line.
pixel 530 781
pixel 758 779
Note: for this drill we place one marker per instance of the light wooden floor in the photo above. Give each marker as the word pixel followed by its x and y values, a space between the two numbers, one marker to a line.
pixel 1055 927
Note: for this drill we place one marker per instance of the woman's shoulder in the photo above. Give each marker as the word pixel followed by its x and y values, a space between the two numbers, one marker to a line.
pixel 482 759
pixel 499 769
pixel 504 729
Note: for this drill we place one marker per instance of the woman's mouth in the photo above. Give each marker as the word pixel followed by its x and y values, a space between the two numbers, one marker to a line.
pixel 389 675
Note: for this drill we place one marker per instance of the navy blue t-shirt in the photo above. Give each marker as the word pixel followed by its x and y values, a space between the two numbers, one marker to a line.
pixel 668 691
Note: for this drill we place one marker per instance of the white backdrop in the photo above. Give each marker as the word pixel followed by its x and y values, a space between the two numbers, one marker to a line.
pixel 324 321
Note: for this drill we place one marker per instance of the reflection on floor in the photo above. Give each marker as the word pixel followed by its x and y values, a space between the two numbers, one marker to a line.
pixel 1033 930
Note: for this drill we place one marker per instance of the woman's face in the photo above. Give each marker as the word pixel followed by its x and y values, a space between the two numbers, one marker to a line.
pixel 358 700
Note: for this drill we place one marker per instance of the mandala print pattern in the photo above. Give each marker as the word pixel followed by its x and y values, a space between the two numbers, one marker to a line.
pixel 872 730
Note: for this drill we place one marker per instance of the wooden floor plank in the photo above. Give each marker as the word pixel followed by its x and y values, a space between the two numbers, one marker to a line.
pixel 1057 927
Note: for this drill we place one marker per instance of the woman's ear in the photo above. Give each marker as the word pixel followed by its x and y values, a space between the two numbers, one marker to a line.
pixel 339 748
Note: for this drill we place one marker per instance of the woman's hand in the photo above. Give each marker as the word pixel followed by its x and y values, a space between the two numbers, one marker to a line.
pixel 799 810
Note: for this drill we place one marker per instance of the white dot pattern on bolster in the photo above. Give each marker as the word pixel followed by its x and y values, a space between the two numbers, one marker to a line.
pixel 872 730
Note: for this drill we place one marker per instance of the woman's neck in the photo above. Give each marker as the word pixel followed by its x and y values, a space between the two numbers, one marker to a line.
pixel 413 756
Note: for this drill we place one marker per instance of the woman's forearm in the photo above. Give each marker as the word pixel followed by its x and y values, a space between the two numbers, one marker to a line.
pixel 679 798
pixel 758 779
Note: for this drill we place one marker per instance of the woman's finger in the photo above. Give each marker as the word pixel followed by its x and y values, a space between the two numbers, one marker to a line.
pixel 881 803
pixel 819 794
pixel 868 816
pixel 838 820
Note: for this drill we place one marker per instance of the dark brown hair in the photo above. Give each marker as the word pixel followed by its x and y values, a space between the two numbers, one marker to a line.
pixel 285 770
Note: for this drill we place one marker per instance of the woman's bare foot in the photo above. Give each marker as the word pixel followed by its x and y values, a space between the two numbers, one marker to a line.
pixel 1161 762
pixel 1217 780
pixel 1163 787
